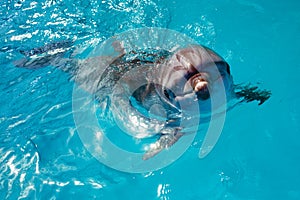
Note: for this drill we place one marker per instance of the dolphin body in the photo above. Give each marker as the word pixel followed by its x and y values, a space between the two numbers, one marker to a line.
pixel 174 81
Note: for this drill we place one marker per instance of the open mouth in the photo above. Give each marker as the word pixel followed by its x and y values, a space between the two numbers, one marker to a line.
pixel 199 83
pixel 199 86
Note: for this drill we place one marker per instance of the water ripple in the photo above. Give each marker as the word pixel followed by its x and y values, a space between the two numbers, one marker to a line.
pixel 41 22
pixel 41 155
pixel 20 162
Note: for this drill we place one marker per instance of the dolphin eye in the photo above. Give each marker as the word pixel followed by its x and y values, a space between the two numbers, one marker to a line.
pixel 166 94
pixel 169 94
pixel 223 67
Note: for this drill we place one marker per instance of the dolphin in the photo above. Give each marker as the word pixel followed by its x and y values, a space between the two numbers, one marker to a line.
pixel 172 83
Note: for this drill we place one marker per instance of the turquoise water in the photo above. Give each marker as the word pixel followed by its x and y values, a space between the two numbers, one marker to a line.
pixel 257 156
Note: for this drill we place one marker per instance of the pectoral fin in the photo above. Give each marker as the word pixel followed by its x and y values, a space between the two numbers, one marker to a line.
pixel 164 142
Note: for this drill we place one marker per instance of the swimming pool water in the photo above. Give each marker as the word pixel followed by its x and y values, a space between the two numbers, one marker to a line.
pixel 257 156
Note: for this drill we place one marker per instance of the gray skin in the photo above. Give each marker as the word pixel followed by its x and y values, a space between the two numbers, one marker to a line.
pixel 177 78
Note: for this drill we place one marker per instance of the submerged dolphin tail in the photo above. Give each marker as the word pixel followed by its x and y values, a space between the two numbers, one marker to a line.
pixel 249 93
pixel 64 44
pixel 43 56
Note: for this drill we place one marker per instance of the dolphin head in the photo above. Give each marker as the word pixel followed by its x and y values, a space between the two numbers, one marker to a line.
pixel 193 74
